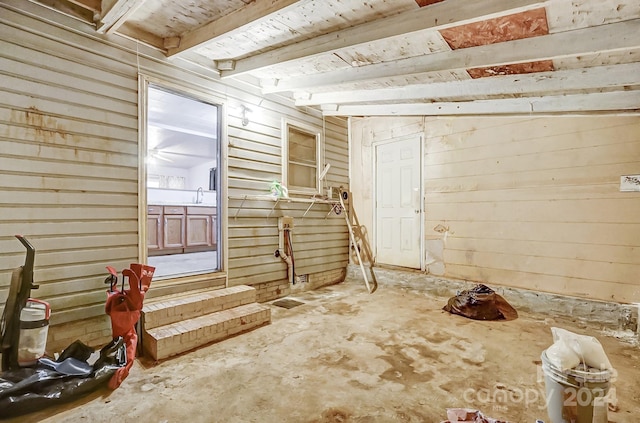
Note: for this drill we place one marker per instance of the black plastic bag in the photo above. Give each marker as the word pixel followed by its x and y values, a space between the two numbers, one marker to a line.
pixel 481 303
pixel 48 383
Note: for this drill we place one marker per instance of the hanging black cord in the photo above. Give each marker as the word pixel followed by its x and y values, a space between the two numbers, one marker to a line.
pixel 286 243
pixel 293 263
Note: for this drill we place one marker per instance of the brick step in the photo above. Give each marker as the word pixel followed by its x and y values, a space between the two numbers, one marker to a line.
pixel 167 310
pixel 172 296
pixel 166 341
pixel 162 288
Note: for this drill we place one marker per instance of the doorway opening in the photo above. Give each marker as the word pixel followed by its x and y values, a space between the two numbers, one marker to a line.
pixel 183 184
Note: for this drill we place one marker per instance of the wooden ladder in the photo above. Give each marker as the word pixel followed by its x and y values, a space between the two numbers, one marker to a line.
pixel 356 234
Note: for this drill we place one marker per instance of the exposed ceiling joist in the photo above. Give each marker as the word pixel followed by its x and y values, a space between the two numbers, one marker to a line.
pixel 619 100
pixel 533 84
pixel 93 5
pixel 140 35
pixel 70 8
pixel 249 14
pixel 198 61
pixel 377 57
pixel 115 13
pixel 616 36
pixel 437 16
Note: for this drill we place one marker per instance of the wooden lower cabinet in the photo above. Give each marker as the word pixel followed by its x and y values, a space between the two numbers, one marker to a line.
pixel 201 228
pixel 174 226
pixel 176 229
pixel 198 230
pixel 154 228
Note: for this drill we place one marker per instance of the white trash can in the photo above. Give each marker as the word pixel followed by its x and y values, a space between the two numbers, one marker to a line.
pixel 576 395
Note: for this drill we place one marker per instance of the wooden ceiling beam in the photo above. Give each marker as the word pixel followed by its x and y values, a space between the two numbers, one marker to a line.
pixel 252 13
pixel 92 5
pixel 197 61
pixel 437 16
pixel 139 35
pixel 532 84
pixel 615 36
pixel 159 43
pixel 114 13
pixel 609 101
pixel 70 8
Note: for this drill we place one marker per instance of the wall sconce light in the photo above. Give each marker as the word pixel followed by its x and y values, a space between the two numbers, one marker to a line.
pixel 245 110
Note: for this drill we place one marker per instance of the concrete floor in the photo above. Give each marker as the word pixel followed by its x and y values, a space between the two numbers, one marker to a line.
pixel 348 356
pixel 183 264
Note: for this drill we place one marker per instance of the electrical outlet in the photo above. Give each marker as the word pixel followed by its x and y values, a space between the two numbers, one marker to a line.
pixel 285 222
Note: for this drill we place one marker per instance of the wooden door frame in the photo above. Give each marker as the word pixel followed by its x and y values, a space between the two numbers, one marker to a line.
pixel 374 193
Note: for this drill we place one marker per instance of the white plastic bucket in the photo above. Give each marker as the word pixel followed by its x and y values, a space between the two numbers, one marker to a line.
pixel 576 395
pixel 34 327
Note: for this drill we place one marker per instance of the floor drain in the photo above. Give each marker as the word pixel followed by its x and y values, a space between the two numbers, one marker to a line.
pixel 287 303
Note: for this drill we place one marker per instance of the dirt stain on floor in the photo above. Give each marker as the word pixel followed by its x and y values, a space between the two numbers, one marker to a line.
pixel 337 359
pixel 428 353
pixel 438 337
pixel 343 309
pixel 353 357
pixel 334 415
pixel 402 367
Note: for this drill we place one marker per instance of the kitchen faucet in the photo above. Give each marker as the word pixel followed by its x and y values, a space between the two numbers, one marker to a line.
pixel 199 195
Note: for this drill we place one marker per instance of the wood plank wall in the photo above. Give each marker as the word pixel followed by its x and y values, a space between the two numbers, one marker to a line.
pixel 320 238
pixel 69 161
pixel 533 202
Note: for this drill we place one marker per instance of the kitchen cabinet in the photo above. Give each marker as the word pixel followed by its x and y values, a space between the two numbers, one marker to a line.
pixel 180 229
pixel 154 228
pixel 201 224
pixel 198 230
pixel 174 227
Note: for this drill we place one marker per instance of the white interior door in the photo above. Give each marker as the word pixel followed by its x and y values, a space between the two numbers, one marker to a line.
pixel 398 202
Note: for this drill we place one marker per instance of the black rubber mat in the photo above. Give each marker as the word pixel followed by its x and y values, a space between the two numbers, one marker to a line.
pixel 287 303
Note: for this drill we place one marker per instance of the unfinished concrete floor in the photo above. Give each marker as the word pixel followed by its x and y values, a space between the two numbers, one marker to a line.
pixel 348 356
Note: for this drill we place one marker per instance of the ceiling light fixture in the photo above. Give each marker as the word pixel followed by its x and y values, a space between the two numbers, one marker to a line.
pixel 155 154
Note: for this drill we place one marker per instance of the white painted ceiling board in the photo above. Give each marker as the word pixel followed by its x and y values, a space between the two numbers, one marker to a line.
pixel 308 66
pixel 583 41
pixel 310 19
pixel 442 15
pixel 566 15
pixel 415 44
pixel 172 18
pixel 395 82
pixel 310 47
pixel 598 59
pixel 256 39
pixel 595 79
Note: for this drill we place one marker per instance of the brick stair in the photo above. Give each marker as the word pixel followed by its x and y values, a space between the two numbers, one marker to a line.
pixel 176 324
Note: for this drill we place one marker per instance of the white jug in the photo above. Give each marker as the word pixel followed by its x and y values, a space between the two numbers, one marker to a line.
pixel 34 327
